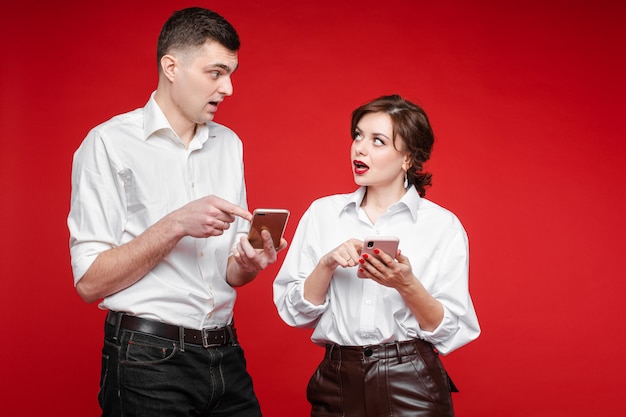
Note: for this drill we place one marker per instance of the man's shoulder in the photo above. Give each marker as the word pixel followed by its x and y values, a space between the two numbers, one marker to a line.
pixel 133 118
pixel 220 130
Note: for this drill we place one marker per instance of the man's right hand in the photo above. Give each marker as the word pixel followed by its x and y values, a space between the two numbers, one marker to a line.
pixel 208 216
pixel 122 266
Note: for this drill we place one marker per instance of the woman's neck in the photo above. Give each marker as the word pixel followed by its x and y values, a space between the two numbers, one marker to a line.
pixel 376 202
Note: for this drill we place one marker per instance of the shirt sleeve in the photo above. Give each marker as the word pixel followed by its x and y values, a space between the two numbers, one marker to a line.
pixel 460 324
pixel 300 260
pixel 97 208
pixel 242 226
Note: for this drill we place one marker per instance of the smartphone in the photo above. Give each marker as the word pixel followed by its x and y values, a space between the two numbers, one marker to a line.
pixel 272 220
pixel 388 244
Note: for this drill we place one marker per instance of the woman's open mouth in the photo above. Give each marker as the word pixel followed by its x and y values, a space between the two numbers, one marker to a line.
pixel 360 167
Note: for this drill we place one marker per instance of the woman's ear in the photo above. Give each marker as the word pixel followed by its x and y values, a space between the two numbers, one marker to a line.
pixel 406 163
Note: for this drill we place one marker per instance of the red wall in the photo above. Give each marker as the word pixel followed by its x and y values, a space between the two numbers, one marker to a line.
pixel 527 105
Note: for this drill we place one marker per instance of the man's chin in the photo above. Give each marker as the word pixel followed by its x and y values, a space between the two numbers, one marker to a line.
pixel 207 117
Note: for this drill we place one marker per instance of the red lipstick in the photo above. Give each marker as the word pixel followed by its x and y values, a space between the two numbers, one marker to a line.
pixel 360 167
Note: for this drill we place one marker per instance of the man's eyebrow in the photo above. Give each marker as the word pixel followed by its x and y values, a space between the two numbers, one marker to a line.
pixel 224 67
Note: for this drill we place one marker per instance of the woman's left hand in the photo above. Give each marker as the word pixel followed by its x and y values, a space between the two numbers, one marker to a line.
pixel 387 271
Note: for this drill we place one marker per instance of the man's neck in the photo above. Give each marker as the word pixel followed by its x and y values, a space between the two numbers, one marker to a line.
pixel 183 128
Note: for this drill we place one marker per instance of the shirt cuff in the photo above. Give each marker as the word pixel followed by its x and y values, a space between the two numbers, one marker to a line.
pixel 303 306
pixel 442 332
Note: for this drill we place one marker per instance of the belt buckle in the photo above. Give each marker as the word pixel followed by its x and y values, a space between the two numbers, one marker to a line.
pixel 205 338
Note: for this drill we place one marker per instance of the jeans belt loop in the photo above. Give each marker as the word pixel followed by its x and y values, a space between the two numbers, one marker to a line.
pixel 231 337
pixel 181 338
pixel 118 323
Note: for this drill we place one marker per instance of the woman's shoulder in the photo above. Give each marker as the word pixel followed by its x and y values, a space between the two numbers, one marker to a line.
pixel 435 211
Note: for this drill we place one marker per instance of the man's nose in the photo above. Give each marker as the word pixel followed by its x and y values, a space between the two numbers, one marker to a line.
pixel 226 86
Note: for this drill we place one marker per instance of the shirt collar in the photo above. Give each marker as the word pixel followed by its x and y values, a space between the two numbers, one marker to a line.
pixel 155 121
pixel 354 199
pixel 409 201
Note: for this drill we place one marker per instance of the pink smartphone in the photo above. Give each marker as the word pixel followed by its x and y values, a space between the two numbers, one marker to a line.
pixel 272 220
pixel 387 244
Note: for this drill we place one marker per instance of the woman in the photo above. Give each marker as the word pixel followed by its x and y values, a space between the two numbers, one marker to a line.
pixel 381 332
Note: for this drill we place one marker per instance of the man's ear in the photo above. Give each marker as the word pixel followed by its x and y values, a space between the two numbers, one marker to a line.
pixel 168 66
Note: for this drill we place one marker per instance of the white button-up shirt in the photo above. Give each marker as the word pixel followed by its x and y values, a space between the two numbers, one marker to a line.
pixel 360 311
pixel 130 172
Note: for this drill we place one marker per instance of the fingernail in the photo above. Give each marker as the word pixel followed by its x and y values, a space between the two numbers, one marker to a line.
pixel 365 256
pixel 361 270
pixel 376 251
pixel 361 261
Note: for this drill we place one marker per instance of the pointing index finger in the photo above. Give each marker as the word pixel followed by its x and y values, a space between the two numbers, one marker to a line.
pixel 233 209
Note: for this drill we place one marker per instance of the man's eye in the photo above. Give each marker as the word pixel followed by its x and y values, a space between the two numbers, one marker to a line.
pixel 214 74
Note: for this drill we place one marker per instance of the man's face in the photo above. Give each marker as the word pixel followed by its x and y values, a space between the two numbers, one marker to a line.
pixel 202 80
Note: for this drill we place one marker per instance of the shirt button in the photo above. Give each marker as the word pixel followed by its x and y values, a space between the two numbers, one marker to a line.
pixel 368 352
pixel 368 302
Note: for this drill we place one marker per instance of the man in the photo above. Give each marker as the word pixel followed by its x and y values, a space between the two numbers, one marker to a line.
pixel 157 223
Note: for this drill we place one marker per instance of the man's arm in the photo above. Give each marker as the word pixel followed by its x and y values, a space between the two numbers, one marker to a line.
pixel 122 266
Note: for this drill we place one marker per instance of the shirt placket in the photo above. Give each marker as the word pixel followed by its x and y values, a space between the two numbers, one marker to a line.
pixel 371 292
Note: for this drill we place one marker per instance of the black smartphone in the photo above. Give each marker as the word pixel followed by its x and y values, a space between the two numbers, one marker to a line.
pixel 272 220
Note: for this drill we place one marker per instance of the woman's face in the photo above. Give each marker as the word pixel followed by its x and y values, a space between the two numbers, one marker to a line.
pixel 375 160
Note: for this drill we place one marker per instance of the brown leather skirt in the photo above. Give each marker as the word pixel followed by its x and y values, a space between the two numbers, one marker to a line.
pixel 403 379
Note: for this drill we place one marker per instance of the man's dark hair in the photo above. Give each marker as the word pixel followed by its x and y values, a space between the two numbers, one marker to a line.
pixel 191 28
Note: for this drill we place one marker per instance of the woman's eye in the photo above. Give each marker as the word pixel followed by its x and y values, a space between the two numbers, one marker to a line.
pixel 378 141
pixel 357 136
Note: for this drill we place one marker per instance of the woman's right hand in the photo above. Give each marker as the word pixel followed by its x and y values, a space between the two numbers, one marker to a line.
pixel 345 255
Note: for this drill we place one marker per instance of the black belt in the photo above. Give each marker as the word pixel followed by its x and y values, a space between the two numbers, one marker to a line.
pixel 205 337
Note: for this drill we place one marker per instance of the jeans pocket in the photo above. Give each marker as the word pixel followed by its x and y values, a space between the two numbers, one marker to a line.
pixel 108 395
pixel 144 349
pixel 104 372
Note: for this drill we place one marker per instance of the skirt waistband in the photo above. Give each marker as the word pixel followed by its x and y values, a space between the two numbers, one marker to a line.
pixel 382 351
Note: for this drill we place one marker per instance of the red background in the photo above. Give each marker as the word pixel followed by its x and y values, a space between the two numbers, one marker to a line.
pixel 526 100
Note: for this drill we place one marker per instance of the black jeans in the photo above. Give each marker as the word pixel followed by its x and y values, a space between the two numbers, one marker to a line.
pixel 404 379
pixel 146 375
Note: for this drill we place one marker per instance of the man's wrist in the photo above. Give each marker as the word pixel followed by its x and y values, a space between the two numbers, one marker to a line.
pixel 239 276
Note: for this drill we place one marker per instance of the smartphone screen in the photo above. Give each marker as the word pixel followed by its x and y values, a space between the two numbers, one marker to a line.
pixel 272 220
pixel 388 244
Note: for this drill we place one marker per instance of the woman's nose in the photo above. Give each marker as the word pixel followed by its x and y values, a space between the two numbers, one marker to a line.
pixel 358 147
